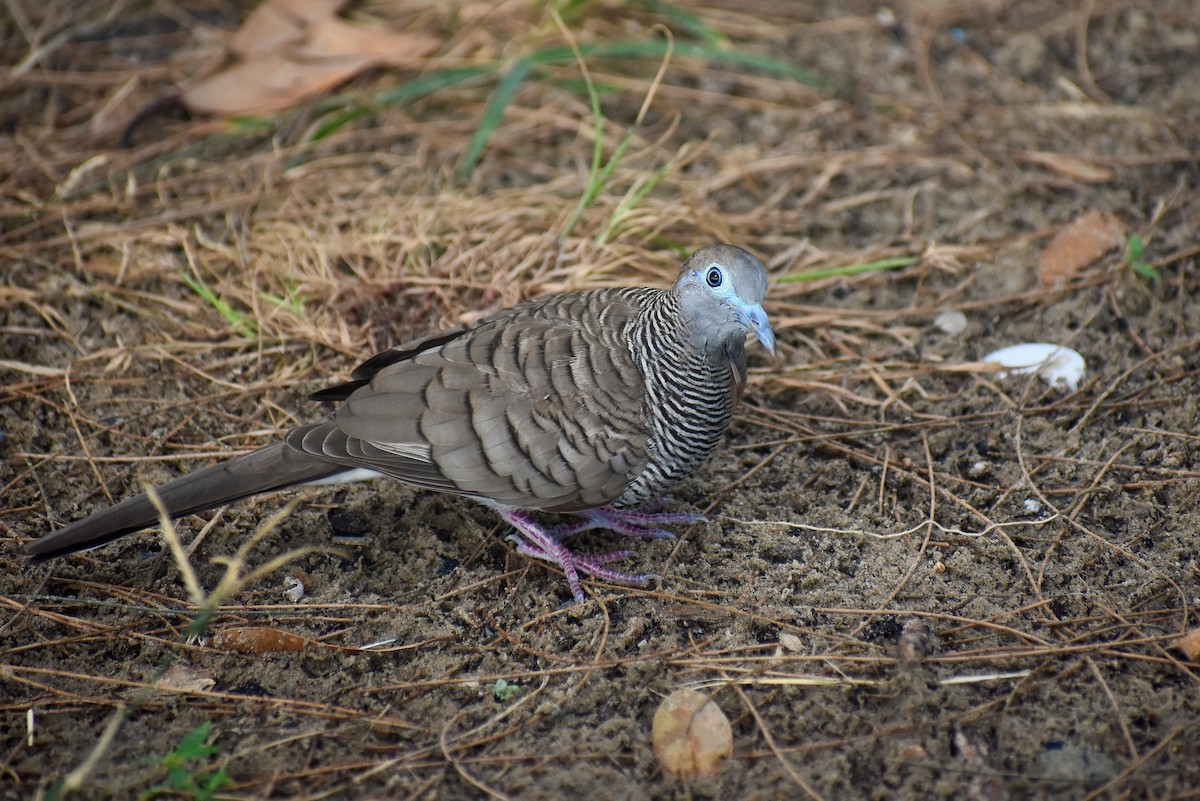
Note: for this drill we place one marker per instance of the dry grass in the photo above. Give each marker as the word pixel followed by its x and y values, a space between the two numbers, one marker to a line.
pixel 320 252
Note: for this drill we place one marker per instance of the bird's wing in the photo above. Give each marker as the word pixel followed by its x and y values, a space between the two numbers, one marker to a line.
pixel 537 411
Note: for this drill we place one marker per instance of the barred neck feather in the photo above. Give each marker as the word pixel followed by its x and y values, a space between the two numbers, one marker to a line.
pixel 690 395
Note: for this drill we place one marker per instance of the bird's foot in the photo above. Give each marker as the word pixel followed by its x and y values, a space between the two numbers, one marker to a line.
pixel 533 539
pixel 640 522
pixel 592 564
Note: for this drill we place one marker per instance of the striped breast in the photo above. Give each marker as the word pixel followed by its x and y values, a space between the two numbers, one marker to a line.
pixel 690 395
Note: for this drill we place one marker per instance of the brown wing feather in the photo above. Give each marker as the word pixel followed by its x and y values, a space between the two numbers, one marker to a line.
pixel 539 407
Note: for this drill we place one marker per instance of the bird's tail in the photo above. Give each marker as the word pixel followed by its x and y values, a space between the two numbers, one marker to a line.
pixel 265 470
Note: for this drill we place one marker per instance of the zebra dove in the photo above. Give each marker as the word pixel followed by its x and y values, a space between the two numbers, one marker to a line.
pixel 587 403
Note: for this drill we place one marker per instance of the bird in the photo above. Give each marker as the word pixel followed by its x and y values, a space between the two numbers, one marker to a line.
pixel 589 403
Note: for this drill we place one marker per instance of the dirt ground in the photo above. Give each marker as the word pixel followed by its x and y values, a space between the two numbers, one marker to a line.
pixel 918 579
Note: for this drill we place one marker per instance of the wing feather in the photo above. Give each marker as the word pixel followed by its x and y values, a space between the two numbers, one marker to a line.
pixel 538 407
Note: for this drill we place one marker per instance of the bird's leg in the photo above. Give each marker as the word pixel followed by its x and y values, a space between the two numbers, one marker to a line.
pixel 533 539
pixel 638 522
pixel 592 564
pixel 536 541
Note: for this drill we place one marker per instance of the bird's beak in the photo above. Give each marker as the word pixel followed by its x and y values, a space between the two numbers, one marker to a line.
pixel 756 321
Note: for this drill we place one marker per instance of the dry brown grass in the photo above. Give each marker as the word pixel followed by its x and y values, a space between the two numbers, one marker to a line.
pixel 372 240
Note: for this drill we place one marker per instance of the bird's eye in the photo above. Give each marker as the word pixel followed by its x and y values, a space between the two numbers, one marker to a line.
pixel 714 277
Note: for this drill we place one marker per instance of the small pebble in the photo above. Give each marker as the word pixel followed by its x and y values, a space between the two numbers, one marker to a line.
pixel 952 322
pixel 295 588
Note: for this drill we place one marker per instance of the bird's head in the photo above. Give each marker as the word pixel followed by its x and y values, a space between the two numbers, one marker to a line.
pixel 721 290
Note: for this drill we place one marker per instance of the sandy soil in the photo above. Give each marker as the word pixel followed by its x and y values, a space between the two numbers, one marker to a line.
pixel 990 574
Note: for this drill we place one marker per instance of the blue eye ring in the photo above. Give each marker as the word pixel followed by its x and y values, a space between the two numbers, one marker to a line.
pixel 713 277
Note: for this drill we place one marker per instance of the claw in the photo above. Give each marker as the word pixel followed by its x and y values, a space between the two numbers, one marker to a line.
pixel 630 522
pixel 536 541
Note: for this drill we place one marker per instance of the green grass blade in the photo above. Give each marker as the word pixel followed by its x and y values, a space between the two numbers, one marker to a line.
pixel 350 109
pixel 594 174
pixel 573 85
pixel 428 84
pixel 709 52
pixel 236 319
pixel 657 48
pixel 492 114
pixel 557 54
pixel 293 302
pixel 687 21
pixel 851 269
pixel 245 123
pixel 630 202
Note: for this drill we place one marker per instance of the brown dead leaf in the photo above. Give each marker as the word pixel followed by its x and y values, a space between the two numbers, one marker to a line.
pixel 257 640
pixel 914 643
pixel 1190 645
pixel 185 679
pixel 1078 244
pixel 790 642
pixel 294 53
pixel 335 38
pixel 691 735
pixel 278 23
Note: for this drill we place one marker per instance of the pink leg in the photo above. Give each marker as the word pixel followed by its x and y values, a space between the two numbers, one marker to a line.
pixel 630 522
pixel 592 564
pixel 535 540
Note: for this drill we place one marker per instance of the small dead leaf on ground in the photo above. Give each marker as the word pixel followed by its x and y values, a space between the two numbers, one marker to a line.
pixel 183 678
pixel 277 23
pixel 691 735
pixel 915 641
pixel 791 642
pixel 1189 644
pixel 289 51
pixel 257 640
pixel 1078 244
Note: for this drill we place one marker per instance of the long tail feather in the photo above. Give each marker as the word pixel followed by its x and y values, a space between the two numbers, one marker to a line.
pixel 266 470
